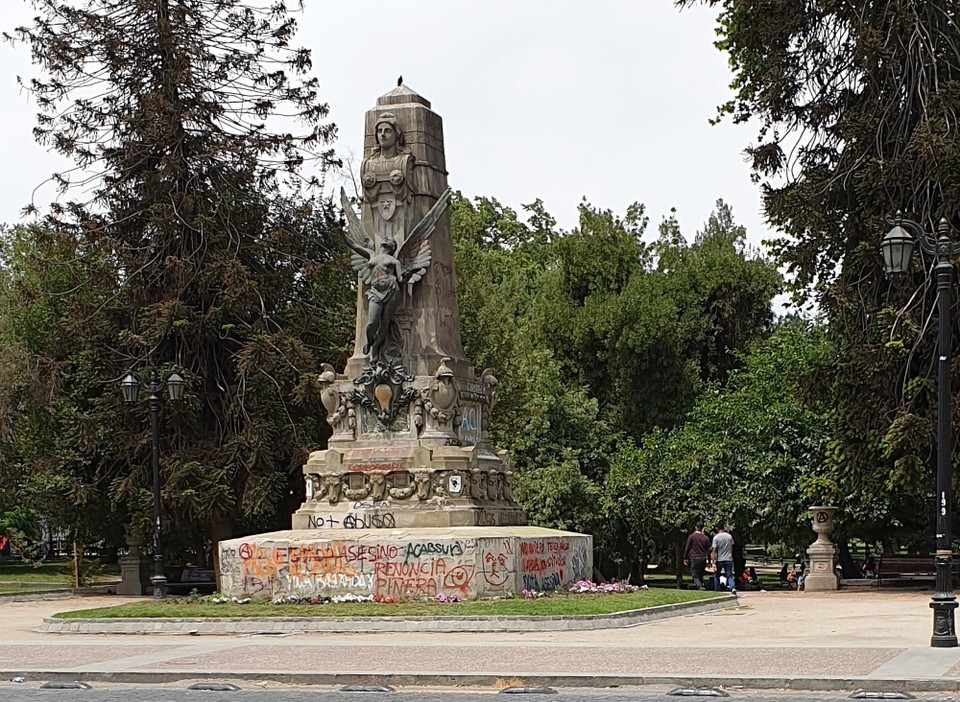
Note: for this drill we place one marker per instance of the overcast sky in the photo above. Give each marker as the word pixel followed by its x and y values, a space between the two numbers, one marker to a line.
pixel 558 100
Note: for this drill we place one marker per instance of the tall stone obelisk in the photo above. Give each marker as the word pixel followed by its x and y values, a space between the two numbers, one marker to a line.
pixel 409 498
pixel 410 416
pixel 396 193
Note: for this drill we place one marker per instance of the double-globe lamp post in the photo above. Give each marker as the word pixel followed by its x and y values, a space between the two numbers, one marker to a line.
pixel 131 385
pixel 897 248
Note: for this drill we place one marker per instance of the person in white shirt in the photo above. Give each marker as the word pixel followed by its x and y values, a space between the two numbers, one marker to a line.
pixel 722 555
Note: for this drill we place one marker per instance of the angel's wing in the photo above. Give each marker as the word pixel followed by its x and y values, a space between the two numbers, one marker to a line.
pixel 414 254
pixel 357 238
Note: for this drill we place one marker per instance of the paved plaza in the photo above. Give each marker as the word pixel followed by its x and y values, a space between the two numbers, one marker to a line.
pixel 875 639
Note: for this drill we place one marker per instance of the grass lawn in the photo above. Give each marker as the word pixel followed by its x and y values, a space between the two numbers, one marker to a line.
pixel 16 571
pixel 568 605
pixel 55 572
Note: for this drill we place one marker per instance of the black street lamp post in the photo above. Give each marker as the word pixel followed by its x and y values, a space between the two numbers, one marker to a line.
pixel 131 386
pixel 897 248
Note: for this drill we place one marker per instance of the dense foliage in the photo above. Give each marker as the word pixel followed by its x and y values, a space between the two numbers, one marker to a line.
pixel 190 122
pixel 603 344
pixel 858 106
pixel 750 454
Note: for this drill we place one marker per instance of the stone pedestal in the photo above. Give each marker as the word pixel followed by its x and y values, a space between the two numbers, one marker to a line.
pixel 468 562
pixel 405 485
pixel 134 568
pixel 822 553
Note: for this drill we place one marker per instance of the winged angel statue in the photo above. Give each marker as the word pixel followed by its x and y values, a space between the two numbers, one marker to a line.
pixel 385 274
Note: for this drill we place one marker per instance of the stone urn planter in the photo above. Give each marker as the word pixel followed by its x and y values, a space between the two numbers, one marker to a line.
pixel 822 552
pixel 823 521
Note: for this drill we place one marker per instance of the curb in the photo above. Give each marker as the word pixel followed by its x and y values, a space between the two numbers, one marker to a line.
pixel 32 595
pixel 490 680
pixel 367 625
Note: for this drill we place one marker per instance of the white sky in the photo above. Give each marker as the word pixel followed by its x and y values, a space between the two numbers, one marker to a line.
pixel 556 99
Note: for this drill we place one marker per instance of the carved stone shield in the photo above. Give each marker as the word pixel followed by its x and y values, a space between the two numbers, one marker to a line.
pixel 387 205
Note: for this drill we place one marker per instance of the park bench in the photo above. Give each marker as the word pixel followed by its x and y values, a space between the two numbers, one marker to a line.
pixel 909 568
pixel 189 579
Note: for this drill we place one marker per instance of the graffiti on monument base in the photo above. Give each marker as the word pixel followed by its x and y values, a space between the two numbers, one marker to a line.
pixel 546 564
pixel 406 570
pixel 313 583
pixel 497 563
pixel 352 520
pixel 402 569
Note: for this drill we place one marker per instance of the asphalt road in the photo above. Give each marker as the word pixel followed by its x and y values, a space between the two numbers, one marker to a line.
pixel 29 692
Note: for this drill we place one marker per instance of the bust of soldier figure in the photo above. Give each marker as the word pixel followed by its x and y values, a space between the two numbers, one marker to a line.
pixel 387 179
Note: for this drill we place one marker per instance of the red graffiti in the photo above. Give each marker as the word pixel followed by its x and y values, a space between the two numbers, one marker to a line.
pixel 365 467
pixel 459 578
pixel 494 568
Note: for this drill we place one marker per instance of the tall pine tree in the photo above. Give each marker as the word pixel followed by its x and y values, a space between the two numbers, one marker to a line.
pixel 858 106
pixel 196 130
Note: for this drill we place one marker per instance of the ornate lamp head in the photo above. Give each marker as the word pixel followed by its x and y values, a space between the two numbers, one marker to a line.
pixel 175 385
pixel 897 248
pixel 130 387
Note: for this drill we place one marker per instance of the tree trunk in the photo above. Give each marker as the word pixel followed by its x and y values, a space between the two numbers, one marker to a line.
pixel 678 563
pixel 75 564
pixel 204 556
pixel 847 565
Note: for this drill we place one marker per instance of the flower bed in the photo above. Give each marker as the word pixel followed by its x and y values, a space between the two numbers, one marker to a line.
pixel 579 587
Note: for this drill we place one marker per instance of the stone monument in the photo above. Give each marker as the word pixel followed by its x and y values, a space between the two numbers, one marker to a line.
pixel 409 498
pixel 822 553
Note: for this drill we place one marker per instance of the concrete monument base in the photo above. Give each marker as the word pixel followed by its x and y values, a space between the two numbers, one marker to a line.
pixel 468 562
pixel 134 567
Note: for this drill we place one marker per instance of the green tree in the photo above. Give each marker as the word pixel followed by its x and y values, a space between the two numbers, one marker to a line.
pixel 856 104
pixel 654 324
pixel 750 454
pixel 47 277
pixel 180 114
pixel 597 336
pixel 550 427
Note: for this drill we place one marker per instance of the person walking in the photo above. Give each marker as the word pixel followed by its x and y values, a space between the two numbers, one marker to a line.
pixel 695 553
pixel 722 555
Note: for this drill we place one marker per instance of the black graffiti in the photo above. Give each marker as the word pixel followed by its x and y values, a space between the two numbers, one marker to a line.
pixel 369 521
pixel 375 504
pixel 433 548
pixel 316 521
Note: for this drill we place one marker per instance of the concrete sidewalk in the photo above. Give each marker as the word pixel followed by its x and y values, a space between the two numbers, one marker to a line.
pixel 877 640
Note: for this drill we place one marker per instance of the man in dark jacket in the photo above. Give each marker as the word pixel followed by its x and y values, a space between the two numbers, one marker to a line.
pixel 695 553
